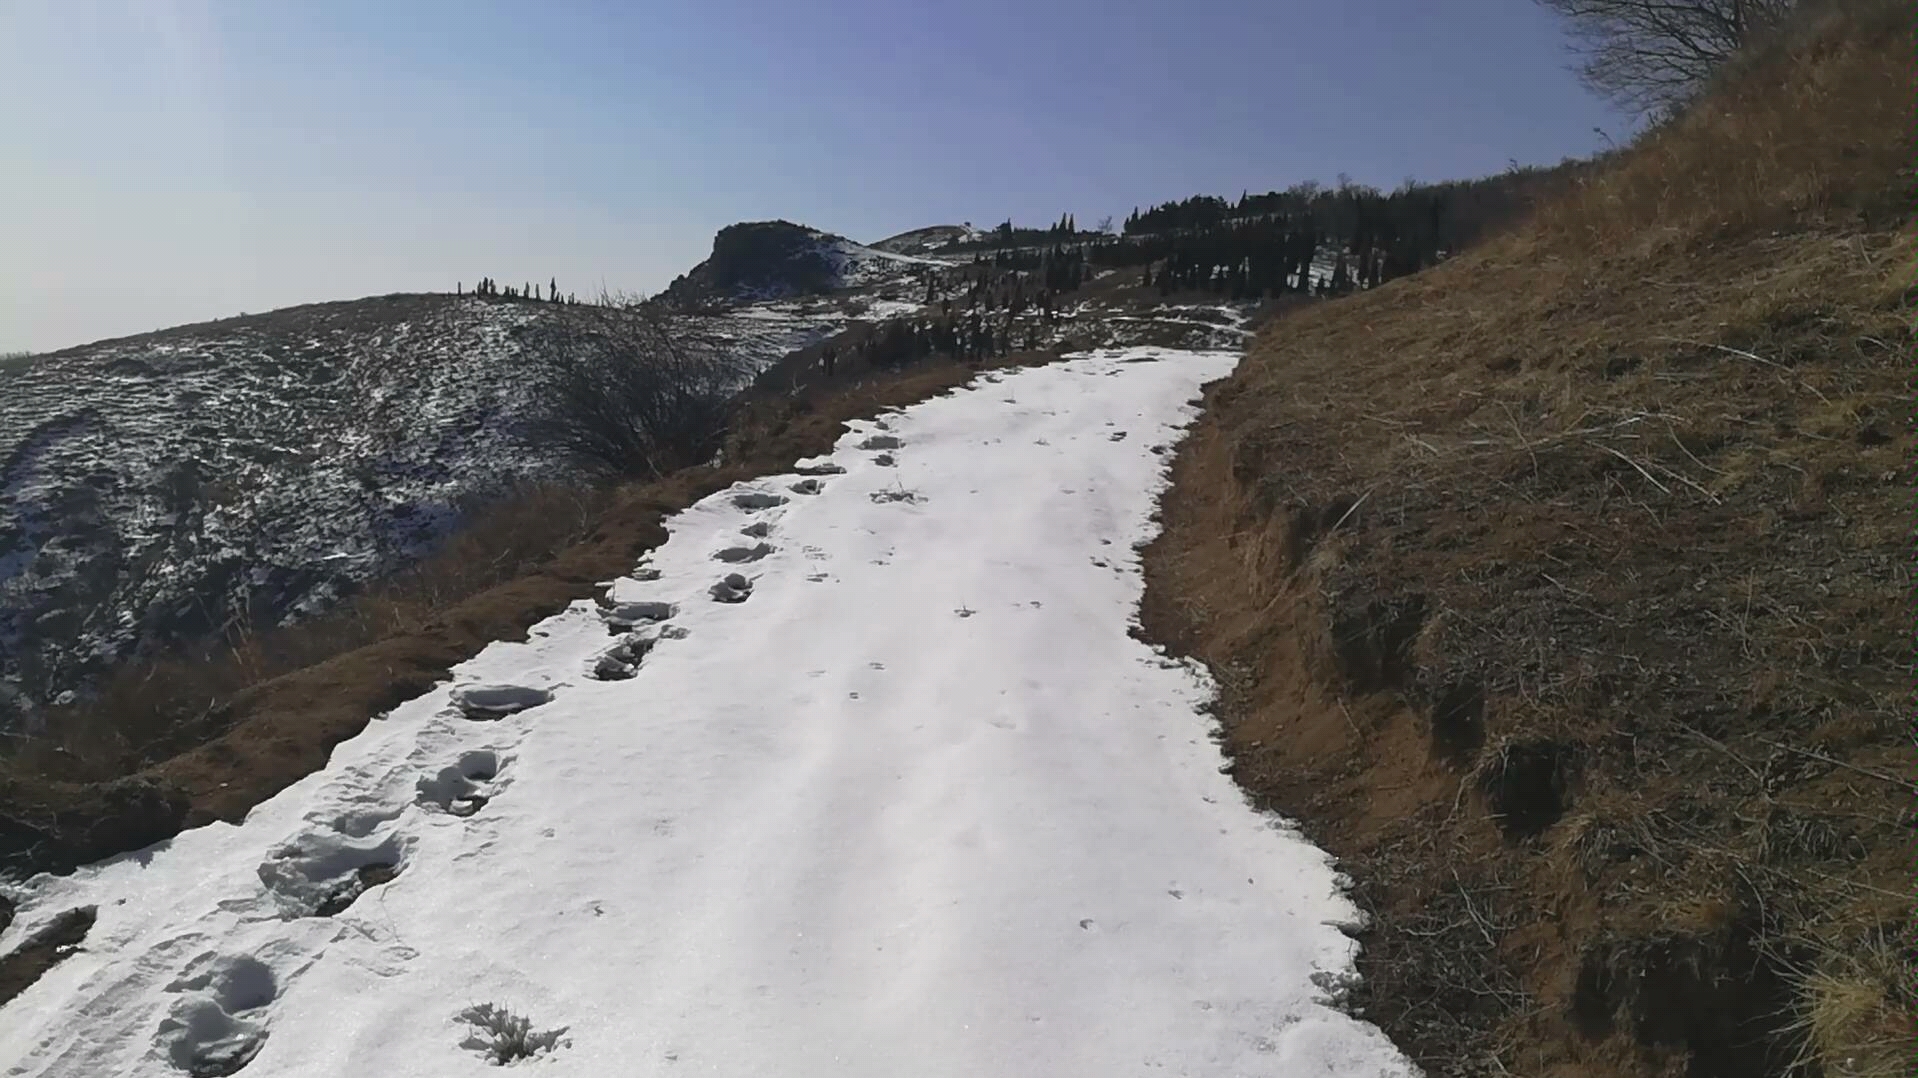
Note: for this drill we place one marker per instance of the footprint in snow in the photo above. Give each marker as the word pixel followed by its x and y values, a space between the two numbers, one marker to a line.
pixel 754 500
pixel 217 1025
pixel 624 617
pixel 464 787
pixel 621 661
pixel 884 460
pixel 821 466
pixel 758 529
pixel 807 486
pixel 321 875
pixel 488 702
pixel 740 554
pixel 881 441
pixel 734 588
pixel 896 495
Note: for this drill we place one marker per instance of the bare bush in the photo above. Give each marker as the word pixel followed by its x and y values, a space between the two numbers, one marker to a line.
pixel 1651 56
pixel 619 394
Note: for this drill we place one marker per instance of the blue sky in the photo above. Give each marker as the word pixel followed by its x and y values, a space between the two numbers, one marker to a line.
pixel 175 160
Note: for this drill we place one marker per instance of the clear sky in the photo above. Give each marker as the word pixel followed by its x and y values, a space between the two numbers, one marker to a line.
pixel 169 161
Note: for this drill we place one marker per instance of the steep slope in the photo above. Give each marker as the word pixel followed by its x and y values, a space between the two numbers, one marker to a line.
pixel 1562 592
pixel 762 260
pixel 868 779
pixel 157 488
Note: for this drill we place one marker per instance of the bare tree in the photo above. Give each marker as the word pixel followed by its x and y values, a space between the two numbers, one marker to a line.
pixel 1650 56
pixel 619 394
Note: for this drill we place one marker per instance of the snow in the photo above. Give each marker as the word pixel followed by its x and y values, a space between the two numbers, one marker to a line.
pixel 880 310
pixel 911 800
pixel 859 264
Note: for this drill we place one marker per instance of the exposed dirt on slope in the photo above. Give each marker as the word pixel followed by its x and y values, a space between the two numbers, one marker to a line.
pixel 43 950
pixel 254 741
pixel 1562 593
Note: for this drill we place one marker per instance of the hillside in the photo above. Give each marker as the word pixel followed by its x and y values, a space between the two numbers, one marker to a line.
pixel 925 241
pixel 158 488
pixel 1563 591
pixel 765 260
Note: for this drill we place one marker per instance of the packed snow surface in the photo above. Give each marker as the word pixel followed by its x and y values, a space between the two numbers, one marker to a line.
pixel 859 774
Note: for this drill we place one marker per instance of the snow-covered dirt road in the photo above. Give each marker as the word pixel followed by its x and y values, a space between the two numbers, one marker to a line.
pixel 861 774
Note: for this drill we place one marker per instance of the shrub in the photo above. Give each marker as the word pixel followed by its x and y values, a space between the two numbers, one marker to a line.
pixel 621 396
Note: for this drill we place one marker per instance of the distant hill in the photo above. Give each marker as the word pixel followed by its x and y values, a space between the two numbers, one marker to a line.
pixel 764 260
pixel 926 241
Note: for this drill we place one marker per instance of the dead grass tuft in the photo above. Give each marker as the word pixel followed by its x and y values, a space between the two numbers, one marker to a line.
pixel 1855 1016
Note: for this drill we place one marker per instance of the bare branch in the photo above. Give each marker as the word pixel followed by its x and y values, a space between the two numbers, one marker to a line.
pixel 620 395
pixel 1653 55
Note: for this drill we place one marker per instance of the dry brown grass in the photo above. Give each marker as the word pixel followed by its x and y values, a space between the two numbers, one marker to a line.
pixel 1564 589
pixel 1746 158
pixel 1854 1015
pixel 149 711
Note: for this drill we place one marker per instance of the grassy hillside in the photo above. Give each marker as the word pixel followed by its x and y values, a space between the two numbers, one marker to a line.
pixel 1562 592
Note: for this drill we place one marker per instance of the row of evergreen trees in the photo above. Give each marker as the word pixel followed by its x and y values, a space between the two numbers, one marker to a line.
pixel 1380 235
pixel 1006 234
pixel 1257 277
pixel 1013 281
pixel 902 342
pixel 487 288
